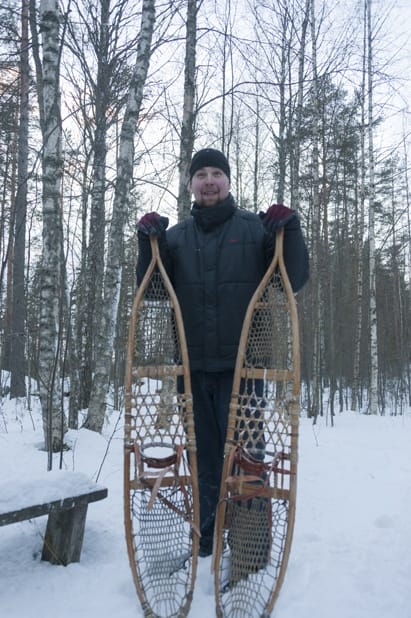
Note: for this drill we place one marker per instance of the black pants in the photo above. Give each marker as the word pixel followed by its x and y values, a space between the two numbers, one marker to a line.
pixel 211 401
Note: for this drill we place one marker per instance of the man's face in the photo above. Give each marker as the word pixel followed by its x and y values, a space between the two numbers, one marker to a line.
pixel 210 186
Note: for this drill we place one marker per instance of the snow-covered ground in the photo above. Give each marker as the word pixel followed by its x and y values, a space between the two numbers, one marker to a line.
pixel 351 553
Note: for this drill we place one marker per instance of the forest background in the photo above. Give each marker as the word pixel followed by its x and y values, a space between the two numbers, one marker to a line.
pixel 102 104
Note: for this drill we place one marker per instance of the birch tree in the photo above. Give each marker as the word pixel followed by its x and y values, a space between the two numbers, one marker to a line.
pixel 188 121
pixel 227 100
pixel 112 279
pixel 94 266
pixel 316 296
pixel 97 68
pixel 52 263
pixel 295 155
pixel 358 244
pixel 373 397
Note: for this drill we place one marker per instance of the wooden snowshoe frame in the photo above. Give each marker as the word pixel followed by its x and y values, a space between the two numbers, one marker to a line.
pixel 256 510
pixel 161 503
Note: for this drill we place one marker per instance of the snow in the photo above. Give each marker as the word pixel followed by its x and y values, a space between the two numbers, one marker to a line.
pixel 351 552
pixel 53 486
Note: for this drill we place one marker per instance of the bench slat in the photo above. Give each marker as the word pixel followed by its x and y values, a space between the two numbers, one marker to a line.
pixel 37 510
pixel 65 497
pixel 47 488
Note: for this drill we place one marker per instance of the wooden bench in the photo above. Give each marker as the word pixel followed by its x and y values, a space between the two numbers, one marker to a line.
pixel 64 497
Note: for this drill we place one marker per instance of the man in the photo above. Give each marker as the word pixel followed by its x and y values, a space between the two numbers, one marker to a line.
pixel 215 259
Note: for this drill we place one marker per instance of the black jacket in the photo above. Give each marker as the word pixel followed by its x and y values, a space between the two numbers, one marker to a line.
pixel 215 269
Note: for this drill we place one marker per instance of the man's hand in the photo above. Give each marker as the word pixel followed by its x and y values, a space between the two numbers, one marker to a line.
pixel 277 216
pixel 152 224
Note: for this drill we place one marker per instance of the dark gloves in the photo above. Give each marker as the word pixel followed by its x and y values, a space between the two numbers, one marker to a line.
pixel 277 216
pixel 152 224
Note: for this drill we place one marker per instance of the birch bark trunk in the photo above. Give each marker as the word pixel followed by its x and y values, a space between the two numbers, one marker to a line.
pixel 359 235
pixel 52 265
pixel 316 219
pixel 112 280
pixel 373 398
pixel 296 154
pixel 94 271
pixel 187 126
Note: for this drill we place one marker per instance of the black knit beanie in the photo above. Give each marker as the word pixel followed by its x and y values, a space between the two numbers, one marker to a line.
pixel 209 157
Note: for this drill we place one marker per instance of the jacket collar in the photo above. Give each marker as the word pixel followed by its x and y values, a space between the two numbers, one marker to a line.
pixel 209 217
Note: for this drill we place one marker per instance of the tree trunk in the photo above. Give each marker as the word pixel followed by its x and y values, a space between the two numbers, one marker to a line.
pixel 227 51
pixel 94 272
pixel 373 398
pixel 316 219
pixel 187 125
pixel 106 331
pixel 18 315
pixel 407 368
pixel 358 248
pixel 256 156
pixel 282 120
pixel 7 248
pixel 296 142
pixel 52 264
